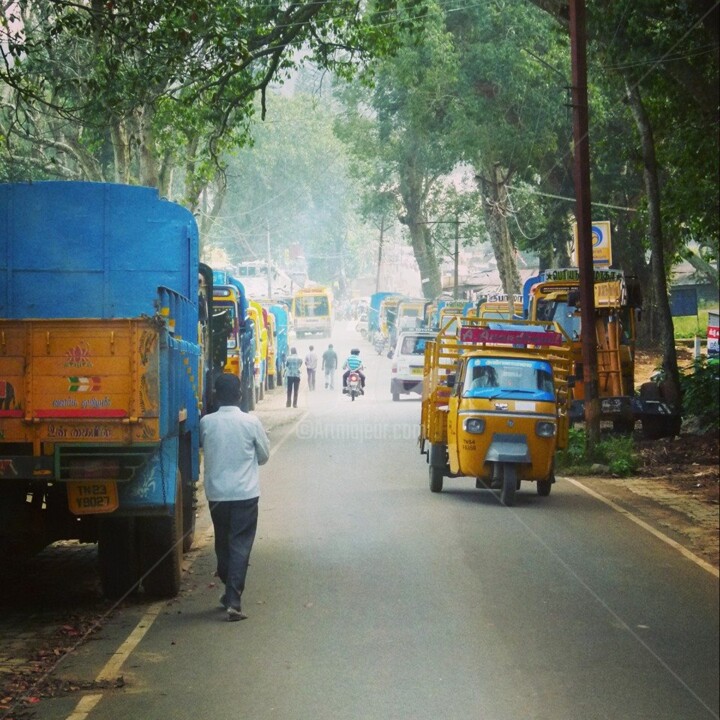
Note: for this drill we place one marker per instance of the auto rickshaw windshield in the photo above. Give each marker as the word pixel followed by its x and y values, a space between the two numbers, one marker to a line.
pixel 510 378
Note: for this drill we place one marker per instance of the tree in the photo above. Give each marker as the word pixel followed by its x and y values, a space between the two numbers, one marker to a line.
pixel 512 125
pixel 292 187
pixel 148 91
pixel 399 130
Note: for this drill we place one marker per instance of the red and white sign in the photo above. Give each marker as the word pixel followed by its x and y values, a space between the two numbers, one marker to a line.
pixel 713 340
pixel 473 334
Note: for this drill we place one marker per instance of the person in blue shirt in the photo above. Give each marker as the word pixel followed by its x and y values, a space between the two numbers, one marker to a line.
pixel 354 364
pixel 293 368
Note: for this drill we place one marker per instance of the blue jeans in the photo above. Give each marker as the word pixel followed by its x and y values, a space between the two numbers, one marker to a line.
pixel 235 523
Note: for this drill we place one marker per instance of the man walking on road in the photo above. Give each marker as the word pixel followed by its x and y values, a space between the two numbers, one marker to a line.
pixel 234 445
pixel 311 365
pixel 293 367
pixel 329 365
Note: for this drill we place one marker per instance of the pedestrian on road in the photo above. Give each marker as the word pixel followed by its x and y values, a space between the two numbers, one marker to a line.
pixel 311 362
pixel 329 365
pixel 234 445
pixel 293 367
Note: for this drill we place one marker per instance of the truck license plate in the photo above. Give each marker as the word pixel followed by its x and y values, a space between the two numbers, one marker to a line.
pixel 92 496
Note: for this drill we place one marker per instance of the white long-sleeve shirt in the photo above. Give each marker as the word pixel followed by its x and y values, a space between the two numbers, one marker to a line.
pixel 234 445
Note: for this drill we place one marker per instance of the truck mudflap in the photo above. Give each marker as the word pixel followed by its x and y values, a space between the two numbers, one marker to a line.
pixel 508 448
pixel 152 491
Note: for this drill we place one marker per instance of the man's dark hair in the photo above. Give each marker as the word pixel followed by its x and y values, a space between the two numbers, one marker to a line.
pixel 227 389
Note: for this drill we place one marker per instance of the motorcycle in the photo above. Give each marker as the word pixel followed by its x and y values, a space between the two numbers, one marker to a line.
pixel 380 343
pixel 354 387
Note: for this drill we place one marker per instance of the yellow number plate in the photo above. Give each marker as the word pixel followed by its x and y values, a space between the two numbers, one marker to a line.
pixel 92 497
pixel 416 371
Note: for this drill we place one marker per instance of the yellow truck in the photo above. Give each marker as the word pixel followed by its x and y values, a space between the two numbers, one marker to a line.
pixel 554 296
pixel 495 403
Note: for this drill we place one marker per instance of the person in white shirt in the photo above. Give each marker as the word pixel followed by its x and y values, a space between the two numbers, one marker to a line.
pixel 311 363
pixel 234 445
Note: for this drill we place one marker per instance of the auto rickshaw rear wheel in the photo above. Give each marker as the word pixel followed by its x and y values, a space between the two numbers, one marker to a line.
pixel 544 486
pixel 436 479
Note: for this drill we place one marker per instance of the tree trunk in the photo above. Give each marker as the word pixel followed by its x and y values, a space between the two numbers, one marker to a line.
pixel 121 151
pixel 495 207
pixel 413 192
pixel 149 172
pixel 657 259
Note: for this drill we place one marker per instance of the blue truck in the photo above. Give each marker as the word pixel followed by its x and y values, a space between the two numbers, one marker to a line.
pixel 230 307
pixel 105 371
pixel 282 342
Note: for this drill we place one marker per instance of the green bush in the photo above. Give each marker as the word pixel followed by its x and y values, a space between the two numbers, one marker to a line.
pixel 617 452
pixel 701 390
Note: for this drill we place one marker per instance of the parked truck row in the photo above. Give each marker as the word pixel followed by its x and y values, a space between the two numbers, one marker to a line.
pixel 111 335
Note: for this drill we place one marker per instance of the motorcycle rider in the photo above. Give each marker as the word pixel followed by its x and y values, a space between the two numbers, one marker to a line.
pixel 354 364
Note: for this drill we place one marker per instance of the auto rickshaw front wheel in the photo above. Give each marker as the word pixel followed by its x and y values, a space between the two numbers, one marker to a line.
pixel 509 484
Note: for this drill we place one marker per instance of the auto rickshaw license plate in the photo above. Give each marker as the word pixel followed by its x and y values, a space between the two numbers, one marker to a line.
pixel 92 496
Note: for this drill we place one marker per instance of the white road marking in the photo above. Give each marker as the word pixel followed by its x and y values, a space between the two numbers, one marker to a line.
pixel 645 526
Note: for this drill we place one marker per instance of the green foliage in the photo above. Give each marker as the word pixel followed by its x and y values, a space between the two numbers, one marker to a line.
pixel 701 390
pixel 614 451
pixel 144 92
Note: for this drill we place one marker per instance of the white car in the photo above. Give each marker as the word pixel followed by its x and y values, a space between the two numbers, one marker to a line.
pixel 408 361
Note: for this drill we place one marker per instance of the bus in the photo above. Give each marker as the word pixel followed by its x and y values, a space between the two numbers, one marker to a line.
pixel 312 311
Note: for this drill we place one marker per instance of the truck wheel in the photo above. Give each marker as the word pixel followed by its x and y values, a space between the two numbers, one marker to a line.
pixel 117 557
pixel 624 427
pixel 509 486
pixel 162 552
pixel 436 479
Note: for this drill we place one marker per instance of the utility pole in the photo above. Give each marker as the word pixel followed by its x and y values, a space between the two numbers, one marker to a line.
pixel 581 177
pixel 380 248
pixel 269 258
pixel 456 256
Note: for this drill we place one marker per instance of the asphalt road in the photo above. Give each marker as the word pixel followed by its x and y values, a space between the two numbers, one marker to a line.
pixel 370 598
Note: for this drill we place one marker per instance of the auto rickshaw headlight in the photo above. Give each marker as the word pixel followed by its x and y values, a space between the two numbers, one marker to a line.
pixel 474 425
pixel 545 429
